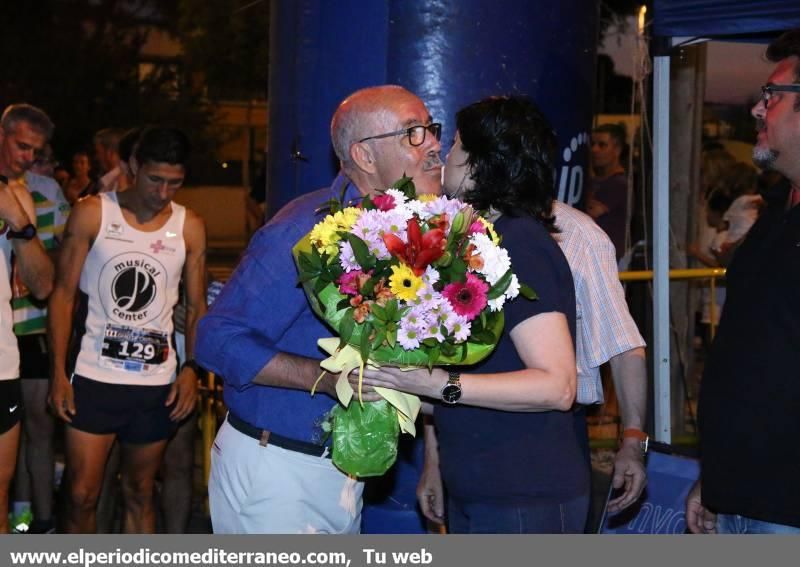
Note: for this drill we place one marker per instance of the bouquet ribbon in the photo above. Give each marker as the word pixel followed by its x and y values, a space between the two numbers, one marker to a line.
pixel 344 360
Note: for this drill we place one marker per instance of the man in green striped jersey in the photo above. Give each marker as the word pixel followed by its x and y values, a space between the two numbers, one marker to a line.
pixel 34 478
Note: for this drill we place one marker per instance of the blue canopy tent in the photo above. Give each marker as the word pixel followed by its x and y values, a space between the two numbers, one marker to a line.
pixel 720 18
pixel 679 22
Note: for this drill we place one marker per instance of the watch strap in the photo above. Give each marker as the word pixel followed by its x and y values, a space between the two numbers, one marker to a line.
pixel 27 232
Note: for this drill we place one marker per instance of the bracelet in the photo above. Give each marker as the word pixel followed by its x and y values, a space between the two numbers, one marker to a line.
pixel 641 436
pixel 634 433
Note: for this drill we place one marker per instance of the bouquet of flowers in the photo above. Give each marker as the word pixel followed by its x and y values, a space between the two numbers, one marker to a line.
pixel 402 280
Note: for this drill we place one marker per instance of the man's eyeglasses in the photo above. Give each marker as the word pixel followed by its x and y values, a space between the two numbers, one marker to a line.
pixel 769 89
pixel 416 134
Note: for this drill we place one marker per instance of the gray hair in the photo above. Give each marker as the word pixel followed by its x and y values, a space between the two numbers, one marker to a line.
pixel 23 112
pixel 360 115
pixel 109 138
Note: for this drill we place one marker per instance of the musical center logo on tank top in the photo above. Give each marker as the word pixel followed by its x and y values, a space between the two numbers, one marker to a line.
pixel 132 288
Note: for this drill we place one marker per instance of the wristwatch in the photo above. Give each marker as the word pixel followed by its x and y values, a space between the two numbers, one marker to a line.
pixel 644 439
pixel 27 232
pixel 451 391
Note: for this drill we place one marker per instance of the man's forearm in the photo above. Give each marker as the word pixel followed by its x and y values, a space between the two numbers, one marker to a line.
pixel 629 370
pixel 59 324
pixel 294 372
pixel 35 267
pixel 193 316
pixel 431 441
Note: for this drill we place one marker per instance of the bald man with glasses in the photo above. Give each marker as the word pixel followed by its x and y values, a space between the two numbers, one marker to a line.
pixel 271 471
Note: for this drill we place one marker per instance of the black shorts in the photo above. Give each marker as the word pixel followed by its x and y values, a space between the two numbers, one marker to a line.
pixel 34 357
pixel 10 404
pixel 135 414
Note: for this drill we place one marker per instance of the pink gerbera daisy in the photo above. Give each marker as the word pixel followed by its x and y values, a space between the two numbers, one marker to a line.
pixel 468 298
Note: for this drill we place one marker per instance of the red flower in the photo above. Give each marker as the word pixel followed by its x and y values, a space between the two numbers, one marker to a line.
pixel 383 202
pixel 421 250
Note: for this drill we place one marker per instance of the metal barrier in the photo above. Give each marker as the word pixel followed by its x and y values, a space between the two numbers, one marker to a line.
pixel 711 274
pixel 209 401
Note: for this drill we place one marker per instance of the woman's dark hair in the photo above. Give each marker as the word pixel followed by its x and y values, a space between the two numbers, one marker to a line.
pixel 511 148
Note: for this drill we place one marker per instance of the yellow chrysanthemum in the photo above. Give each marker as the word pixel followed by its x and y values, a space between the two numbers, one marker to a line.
pixel 490 229
pixel 427 197
pixel 348 217
pixel 325 236
pixel 404 283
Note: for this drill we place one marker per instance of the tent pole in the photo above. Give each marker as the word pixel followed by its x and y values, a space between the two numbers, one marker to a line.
pixel 661 352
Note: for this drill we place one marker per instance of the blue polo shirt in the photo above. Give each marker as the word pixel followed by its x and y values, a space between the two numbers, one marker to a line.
pixel 262 311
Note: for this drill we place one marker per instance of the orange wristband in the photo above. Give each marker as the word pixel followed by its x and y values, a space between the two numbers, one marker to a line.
pixel 635 433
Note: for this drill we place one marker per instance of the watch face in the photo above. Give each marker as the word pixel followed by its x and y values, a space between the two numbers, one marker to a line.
pixel 451 393
pixel 26 233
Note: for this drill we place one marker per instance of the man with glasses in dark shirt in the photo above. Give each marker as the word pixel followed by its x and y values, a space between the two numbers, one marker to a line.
pixel 271 472
pixel 750 395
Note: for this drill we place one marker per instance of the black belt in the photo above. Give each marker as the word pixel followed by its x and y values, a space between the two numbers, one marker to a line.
pixel 266 437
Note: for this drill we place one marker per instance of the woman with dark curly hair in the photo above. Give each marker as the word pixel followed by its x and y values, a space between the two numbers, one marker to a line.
pixel 511 453
pixel 503 158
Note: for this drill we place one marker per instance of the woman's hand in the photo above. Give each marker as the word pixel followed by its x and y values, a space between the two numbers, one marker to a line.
pixel 417 381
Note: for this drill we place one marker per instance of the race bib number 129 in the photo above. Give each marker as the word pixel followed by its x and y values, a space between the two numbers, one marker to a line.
pixel 133 349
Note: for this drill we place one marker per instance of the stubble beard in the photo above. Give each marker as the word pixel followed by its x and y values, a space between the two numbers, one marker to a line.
pixel 764 157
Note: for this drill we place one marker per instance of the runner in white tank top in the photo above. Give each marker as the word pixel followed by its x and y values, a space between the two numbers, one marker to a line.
pixel 130 279
pixel 124 254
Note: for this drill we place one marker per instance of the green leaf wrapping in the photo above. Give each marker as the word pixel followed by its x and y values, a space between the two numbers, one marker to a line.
pixel 365 438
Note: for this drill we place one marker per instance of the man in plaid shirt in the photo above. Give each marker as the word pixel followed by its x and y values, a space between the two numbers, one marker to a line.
pixel 606 332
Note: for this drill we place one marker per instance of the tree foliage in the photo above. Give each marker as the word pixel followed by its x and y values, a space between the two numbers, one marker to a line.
pixel 227 41
pixel 79 61
pixel 613 13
